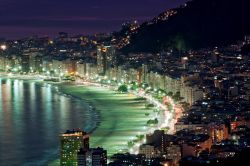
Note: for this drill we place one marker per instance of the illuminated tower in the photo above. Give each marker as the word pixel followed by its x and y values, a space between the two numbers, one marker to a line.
pixel 71 142
pixel 105 58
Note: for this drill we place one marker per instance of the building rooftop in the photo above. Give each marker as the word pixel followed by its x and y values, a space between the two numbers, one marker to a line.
pixel 74 132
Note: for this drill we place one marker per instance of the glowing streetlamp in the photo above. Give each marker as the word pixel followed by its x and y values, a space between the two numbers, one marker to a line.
pixel 3 47
pixel 15 69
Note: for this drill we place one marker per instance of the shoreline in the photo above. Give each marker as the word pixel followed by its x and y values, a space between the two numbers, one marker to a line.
pixel 101 106
pixel 60 89
pixel 121 139
pixel 122 134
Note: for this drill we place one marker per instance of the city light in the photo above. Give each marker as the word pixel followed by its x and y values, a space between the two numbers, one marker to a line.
pixel 155 92
pixel 3 47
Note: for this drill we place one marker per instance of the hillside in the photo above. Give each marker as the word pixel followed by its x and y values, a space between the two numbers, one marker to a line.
pixel 197 24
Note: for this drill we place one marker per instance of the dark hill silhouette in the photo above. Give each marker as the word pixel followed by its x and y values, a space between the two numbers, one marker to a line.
pixel 200 24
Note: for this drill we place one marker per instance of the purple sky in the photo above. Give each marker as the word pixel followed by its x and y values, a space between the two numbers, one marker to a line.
pixel 22 18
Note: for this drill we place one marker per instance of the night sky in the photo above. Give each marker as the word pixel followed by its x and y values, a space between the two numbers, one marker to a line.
pixel 22 18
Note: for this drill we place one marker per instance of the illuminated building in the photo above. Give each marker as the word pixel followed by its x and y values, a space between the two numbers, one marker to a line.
pixel 69 65
pixel 71 142
pixel 144 72
pixel 81 69
pixel 191 93
pixel 35 62
pixel 188 126
pixel 149 151
pixel 184 62
pixel 2 63
pixel 92 157
pixel 25 62
pixel 101 60
pixel 172 84
pixel 218 132
pixel 158 139
pixel 91 69
pixel 105 58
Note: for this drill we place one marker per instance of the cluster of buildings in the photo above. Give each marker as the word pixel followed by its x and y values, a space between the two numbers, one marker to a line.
pixel 215 126
pixel 213 84
pixel 75 150
pixel 101 62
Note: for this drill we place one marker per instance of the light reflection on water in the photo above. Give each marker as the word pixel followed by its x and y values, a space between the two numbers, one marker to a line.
pixel 31 117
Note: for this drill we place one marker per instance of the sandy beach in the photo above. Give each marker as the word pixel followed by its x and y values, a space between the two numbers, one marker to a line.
pixel 122 116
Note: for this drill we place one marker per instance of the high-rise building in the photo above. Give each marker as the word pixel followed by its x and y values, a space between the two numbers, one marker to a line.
pixel 105 58
pixel 71 142
pixel 92 157
pixel 218 132
pixel 191 93
pixel 35 62
pixel 158 139
pixel 25 62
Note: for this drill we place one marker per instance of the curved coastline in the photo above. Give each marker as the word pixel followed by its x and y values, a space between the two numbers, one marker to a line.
pixel 121 116
pixel 91 107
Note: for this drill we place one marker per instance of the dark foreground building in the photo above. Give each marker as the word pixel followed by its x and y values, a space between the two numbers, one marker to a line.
pixel 92 157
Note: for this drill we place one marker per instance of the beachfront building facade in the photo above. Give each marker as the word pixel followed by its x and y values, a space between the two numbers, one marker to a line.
pixel 71 143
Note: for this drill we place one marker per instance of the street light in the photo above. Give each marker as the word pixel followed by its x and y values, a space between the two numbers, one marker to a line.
pixel 3 47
